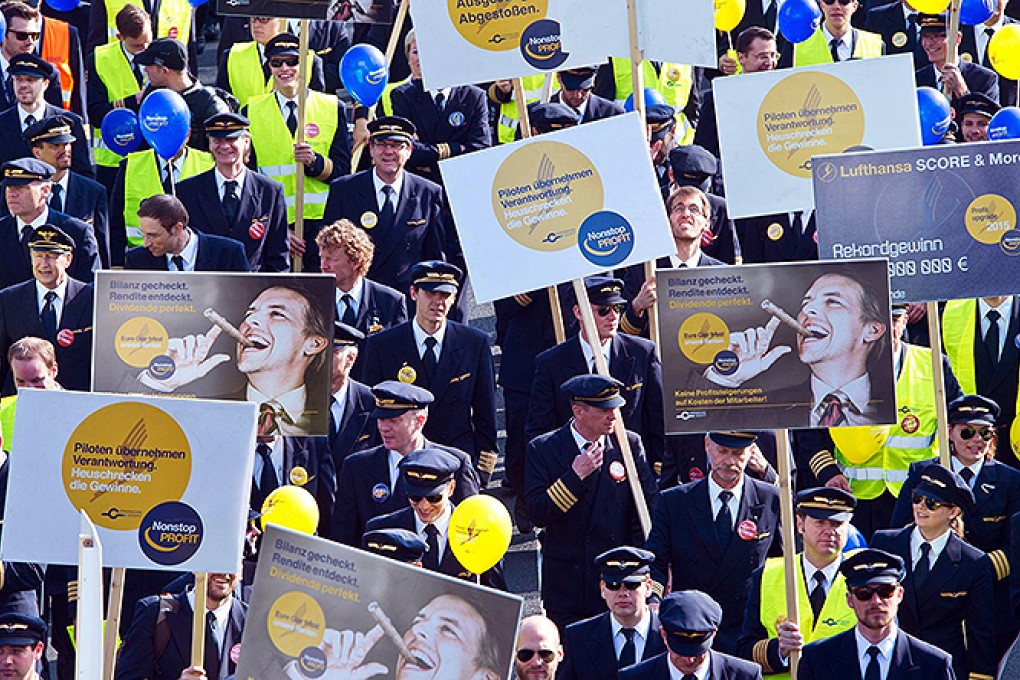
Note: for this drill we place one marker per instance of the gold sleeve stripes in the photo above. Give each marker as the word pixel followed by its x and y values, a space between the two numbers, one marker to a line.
pixel 523 299
pixel 1001 564
pixel 561 496
pixel 627 327
pixel 487 462
pixel 760 655
pixel 820 461
pixel 327 169
pixel 444 151
pixel 979 676
pixel 72 591
pixel 658 589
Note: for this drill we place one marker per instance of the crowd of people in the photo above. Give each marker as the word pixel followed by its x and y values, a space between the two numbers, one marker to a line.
pixel 413 425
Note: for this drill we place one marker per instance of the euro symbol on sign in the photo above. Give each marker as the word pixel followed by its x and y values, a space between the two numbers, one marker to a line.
pixel 551 237
pixel 962 264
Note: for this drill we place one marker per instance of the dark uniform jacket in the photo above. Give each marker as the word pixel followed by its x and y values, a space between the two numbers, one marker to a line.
pixel 772 238
pixel 596 108
pixel 215 254
pixel 86 200
pixel 313 455
pixel 589 652
pixel 261 224
pixel 463 414
pixel 582 518
pixel 721 667
pixel 898 33
pixel 634 278
pixel 381 307
pixel 980 80
pixel 15 146
pixel 683 539
pixel 357 429
pixel 16 264
pixel 835 658
pixel 20 318
pixel 957 591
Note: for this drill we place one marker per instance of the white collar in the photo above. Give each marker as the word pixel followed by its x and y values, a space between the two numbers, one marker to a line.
pixel 1004 310
pixel 885 647
pixel 36 223
pixel 846 39
pixel 579 439
pixel 292 402
pixel 397 185
pixel 937 545
pixel 420 335
pixel 356 292
pixel 589 356
pixel 222 613
pixel 829 571
pixel 190 251
pixel 858 391
pixel 642 626
pixel 221 180
pixel 39 113
pixel 341 394
pixel 60 290
pixel 442 522
pixel 975 468
pixel 714 490
pixel 690 263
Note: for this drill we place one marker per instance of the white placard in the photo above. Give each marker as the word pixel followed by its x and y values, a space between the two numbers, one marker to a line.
pixel 557 207
pixel 679 31
pixel 165 481
pixel 771 124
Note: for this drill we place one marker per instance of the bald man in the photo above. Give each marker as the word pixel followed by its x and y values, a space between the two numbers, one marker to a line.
pixel 539 651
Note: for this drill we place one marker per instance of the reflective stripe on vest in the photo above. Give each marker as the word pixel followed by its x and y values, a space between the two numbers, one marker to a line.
pixel 7 405
pixel 114 69
pixel 506 128
pixel 142 179
pixel 386 100
pixel 56 49
pixel 674 82
pixel 815 50
pixel 173 21
pixel 835 617
pixel 911 439
pixel 274 146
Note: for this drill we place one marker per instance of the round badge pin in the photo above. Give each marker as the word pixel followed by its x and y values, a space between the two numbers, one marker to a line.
pixel 673 73
pixel 966 56
pixel 899 39
pixel 407 375
pixel 65 338
pixel 380 492
pixel 774 231
pixel 298 476
pixel 1016 341
pixel 706 238
pixel 235 653
pixel 369 219
pixel 910 424
pixel 456 119
pixel 173 32
pixel 257 230
pixel 747 530
pixel 695 474
pixel 617 471
pixel 311 130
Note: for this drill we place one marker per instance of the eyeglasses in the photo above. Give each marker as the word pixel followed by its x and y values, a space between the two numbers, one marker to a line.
pixel 433 499
pixel 277 62
pixel 968 432
pixel 25 35
pixel 604 310
pixel 929 503
pixel 629 585
pixel 693 209
pixel 865 593
pixel 525 655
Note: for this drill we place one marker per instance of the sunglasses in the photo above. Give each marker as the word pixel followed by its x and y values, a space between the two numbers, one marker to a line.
pixel 277 62
pixel 929 503
pixel 526 655
pixel 865 593
pixel 629 585
pixel 968 432
pixel 433 499
pixel 604 310
pixel 25 35
pixel 833 2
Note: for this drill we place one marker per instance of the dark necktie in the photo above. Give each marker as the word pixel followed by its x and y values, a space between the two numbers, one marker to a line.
pixel 873 672
pixel 834 49
pixel 292 118
pixel 724 520
pixel 137 72
pixel 967 475
pixel 49 316
pixel 178 262
pixel 923 566
pixel 29 121
pixel 212 647
pixel 817 594
pixel 26 236
pixel 9 89
pixel 348 316
pixel 992 336
pixel 56 198
pixel 429 358
pixel 267 480
pixel 833 411
pixel 440 101
pixel 628 654
pixel 770 17
pixel 388 211
pixel 912 28
pixel 797 226
pixel 431 558
pixel 231 202
pixel 689 676
pixel 985 61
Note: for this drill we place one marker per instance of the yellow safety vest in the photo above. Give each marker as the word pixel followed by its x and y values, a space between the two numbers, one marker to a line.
pixel 244 70
pixel 815 50
pixel 912 439
pixel 835 617
pixel 56 49
pixel 7 405
pixel 274 146
pixel 114 69
pixel 173 20
pixel 674 82
pixel 141 180
pixel 386 99
pixel 509 120
pixel 959 328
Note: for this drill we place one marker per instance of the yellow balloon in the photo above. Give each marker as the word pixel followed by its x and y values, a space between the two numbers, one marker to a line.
pixel 480 531
pixel 930 6
pixel 291 507
pixel 728 14
pixel 858 444
pixel 1014 436
pixel 1004 51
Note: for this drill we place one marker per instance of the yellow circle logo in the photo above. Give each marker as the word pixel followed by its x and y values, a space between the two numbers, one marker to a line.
pixel 124 459
pixel 543 192
pixel 139 340
pixel 808 114
pixel 988 217
pixel 495 25
pixel 702 336
pixel 295 622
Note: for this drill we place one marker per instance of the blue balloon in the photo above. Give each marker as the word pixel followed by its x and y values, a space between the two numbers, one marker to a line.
pixel 63 5
pixel 364 73
pixel 799 19
pixel 165 121
pixel 121 132
pixel 974 12
pixel 934 115
pixel 652 97
pixel 197 3
pixel 854 539
pixel 1005 124
pixel 3 27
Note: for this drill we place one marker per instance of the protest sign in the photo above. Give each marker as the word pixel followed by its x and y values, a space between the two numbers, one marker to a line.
pixel 805 112
pixel 313 597
pixel 160 333
pixel 945 216
pixel 556 207
pixel 776 346
pixel 165 481
pixel 665 37
pixel 284 9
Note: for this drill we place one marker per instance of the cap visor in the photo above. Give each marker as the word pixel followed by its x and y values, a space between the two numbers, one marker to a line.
pixel 686 648
pixel 828 514
pixel 384 413
pixel 437 287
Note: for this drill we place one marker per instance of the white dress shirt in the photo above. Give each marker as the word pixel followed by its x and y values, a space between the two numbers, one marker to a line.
pixel 845 48
pixel 356 292
pixel 442 523
pixel 189 254
pixel 419 339
pixel 640 635
pixel 1005 310
pixel 58 302
pixel 589 356
pixel 221 182
pixel 937 545
pixel 885 650
pixel 858 391
pixel 380 196
pixel 275 455
pixel 734 503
